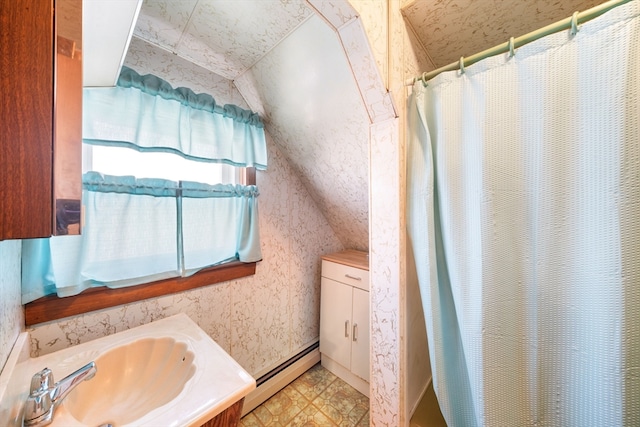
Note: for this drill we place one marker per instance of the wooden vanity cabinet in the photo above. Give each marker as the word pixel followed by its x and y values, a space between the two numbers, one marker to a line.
pixel 230 417
pixel 26 119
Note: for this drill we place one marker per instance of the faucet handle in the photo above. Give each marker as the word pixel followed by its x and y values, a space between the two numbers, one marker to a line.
pixel 38 409
pixel 41 380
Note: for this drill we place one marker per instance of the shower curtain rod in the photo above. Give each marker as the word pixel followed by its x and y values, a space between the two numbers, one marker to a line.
pixel 567 23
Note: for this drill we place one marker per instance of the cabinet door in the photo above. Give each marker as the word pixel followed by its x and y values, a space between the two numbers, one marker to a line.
pixel 335 321
pixel 360 334
pixel 26 119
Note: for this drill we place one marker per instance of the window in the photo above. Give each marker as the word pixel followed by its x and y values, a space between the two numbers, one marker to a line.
pixel 121 161
pixel 52 307
pixel 193 145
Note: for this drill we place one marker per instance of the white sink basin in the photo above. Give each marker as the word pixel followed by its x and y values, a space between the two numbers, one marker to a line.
pixel 168 373
pixel 131 381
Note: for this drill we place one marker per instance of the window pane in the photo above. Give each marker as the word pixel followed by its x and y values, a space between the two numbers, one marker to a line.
pixel 126 161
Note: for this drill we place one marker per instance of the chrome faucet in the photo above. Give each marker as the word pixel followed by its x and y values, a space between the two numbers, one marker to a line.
pixel 44 397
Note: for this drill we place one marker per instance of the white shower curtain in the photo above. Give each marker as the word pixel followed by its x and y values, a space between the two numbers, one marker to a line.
pixel 523 201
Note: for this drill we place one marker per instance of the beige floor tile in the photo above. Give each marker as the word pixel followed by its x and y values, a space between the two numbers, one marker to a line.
pixel 315 399
pixel 281 408
pixel 364 421
pixel 311 416
pixel 313 382
pixel 342 403
pixel 250 420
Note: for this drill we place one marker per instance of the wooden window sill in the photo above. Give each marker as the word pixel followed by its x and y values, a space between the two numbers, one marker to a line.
pixel 53 307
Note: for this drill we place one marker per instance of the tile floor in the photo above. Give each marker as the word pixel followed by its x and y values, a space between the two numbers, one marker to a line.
pixel 316 398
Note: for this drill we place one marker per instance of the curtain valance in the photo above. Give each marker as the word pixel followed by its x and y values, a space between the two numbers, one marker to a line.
pixel 147 114
pixel 154 85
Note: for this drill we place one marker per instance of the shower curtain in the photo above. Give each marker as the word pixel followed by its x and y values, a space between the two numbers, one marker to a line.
pixel 523 210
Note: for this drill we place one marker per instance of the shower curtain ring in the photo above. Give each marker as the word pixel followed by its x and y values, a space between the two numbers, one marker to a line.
pixel 424 79
pixel 574 23
pixel 512 49
pixel 461 65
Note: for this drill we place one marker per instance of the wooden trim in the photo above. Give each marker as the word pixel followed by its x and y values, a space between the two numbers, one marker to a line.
pixel 230 417
pixel 52 307
pixel 250 176
pixel 351 258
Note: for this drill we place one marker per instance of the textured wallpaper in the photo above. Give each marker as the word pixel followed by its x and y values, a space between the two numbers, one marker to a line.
pixel 319 121
pixel 180 72
pixel 449 29
pixel 387 382
pixel 11 313
pixel 260 320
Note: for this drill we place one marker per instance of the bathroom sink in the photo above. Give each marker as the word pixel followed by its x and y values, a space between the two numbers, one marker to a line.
pixel 168 372
pixel 131 381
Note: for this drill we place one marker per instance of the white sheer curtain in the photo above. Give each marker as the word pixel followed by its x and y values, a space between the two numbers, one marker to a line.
pixel 524 216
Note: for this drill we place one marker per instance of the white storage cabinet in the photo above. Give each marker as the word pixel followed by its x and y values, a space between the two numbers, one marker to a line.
pixel 344 317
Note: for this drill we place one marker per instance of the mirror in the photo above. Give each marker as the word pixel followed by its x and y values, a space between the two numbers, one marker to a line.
pixel 111 25
pixel 67 140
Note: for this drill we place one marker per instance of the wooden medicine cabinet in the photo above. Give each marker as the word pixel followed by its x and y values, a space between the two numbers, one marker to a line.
pixel 41 125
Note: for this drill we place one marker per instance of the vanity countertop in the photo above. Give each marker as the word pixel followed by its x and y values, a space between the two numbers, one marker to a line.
pixel 218 382
pixel 350 257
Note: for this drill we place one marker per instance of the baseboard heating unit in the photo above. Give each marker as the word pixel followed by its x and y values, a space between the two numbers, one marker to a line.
pixel 281 376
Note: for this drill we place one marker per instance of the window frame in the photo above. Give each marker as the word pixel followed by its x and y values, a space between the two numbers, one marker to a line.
pixel 52 307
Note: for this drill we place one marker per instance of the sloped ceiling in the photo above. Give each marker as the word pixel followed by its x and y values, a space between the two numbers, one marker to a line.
pixel 449 29
pixel 290 67
pixel 227 37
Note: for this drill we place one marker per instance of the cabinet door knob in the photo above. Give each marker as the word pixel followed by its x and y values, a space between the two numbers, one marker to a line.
pixel 355 332
pixel 353 277
pixel 346 329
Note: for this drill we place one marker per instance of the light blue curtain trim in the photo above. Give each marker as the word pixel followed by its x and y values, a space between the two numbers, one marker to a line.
pixel 69 291
pixel 138 280
pixel 200 190
pixel 191 271
pixel 155 86
pixel 97 182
